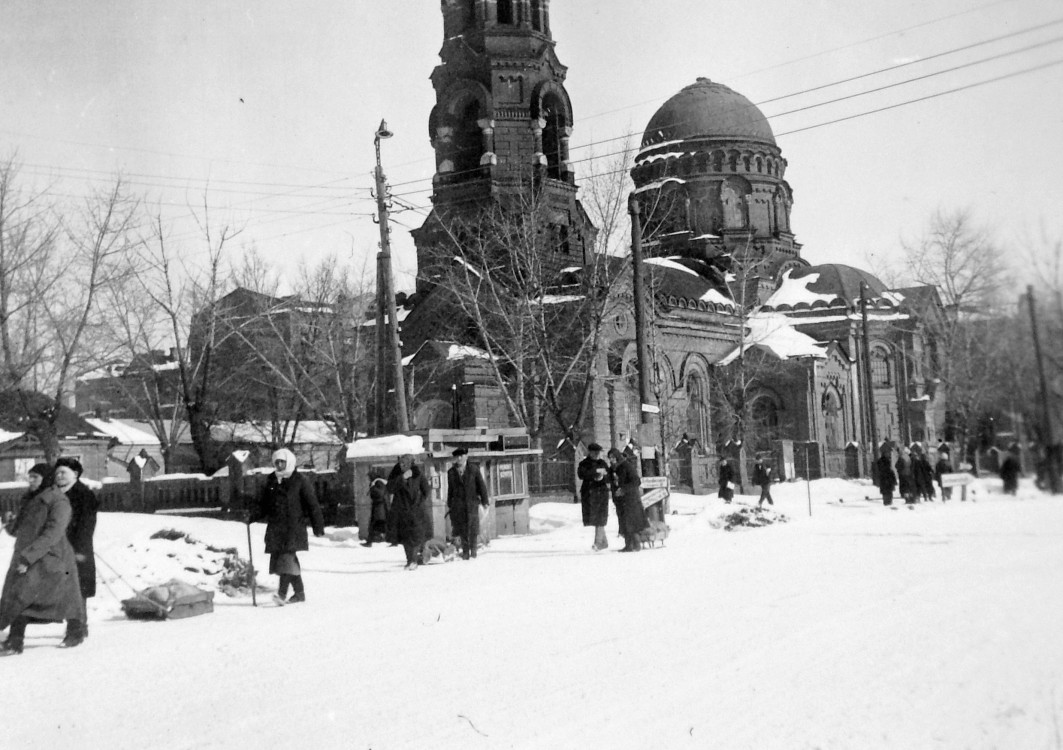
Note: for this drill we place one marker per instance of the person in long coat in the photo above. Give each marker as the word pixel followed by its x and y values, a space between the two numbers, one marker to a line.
pixel 378 511
pixel 83 507
pixel 1009 471
pixel 627 494
pixel 410 497
pixel 727 480
pixel 42 581
pixel 887 480
pixel 943 466
pixel 287 503
pixel 922 474
pixel 466 494
pixel 905 482
pixel 595 478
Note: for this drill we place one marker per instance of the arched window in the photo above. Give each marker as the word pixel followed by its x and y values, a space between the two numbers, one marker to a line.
pixel 833 421
pixel 697 409
pixel 468 142
pixel 505 12
pixel 553 132
pixel 881 372
pixel 764 413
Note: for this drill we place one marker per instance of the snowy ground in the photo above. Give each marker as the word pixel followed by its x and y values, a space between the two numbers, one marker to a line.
pixel 857 627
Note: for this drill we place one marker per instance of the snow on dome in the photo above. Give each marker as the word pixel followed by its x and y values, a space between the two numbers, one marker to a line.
pixel 715 298
pixel 795 292
pixel 388 445
pixel 773 333
pixel 706 109
pixel 669 263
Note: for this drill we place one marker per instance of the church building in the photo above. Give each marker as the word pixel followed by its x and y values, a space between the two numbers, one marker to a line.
pixel 750 345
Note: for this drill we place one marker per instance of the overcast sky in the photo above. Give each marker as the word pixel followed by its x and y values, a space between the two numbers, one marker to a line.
pixel 270 107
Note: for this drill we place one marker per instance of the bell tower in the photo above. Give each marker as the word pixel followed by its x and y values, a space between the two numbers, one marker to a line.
pixel 501 124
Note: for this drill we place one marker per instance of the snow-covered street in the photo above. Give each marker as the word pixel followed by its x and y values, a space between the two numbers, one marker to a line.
pixel 857 627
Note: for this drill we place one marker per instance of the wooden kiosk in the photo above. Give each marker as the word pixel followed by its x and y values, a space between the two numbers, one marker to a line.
pixel 501 453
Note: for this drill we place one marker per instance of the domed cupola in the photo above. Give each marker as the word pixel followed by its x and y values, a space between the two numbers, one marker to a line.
pixel 709 181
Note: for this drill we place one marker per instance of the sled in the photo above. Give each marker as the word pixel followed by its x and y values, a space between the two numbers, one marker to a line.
pixel 169 601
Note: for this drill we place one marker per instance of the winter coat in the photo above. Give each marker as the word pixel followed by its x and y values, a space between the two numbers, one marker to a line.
pixel 408 522
pixel 905 483
pixel 378 498
pixel 466 492
pixel 887 480
pixel 1009 472
pixel 83 508
pixel 287 506
pixel 923 475
pixel 941 467
pixel 49 589
pixel 727 482
pixel 761 474
pixel 628 497
pixel 594 490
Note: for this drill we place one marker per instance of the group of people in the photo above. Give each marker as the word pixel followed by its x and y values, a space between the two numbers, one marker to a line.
pixel 53 566
pixel 616 477
pixel 912 475
pixel 763 477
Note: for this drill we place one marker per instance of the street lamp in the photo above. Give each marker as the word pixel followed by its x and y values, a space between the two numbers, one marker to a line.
pixel 389 353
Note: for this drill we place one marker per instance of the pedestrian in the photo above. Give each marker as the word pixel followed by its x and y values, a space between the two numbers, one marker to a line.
pixel 466 494
pixel 82 528
pixel 727 480
pixel 922 474
pixel 287 503
pixel 905 483
pixel 410 498
pixel 762 477
pixel 943 466
pixel 1009 471
pixel 42 581
pixel 595 478
pixel 887 480
pixel 378 510
pixel 627 495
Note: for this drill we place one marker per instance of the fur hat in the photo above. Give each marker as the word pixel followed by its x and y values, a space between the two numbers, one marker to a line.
pixel 594 447
pixel 71 463
pixel 41 470
pixel 460 452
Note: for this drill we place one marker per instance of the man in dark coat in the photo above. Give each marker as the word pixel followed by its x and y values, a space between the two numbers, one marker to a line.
pixel 466 494
pixel 83 508
pixel 595 478
pixel 627 494
pixel 287 503
pixel 42 583
pixel 762 477
pixel 1009 471
pixel 410 498
pixel 887 480
pixel 727 480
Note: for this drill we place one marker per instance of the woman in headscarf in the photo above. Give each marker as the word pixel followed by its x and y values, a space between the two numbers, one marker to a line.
pixel 83 509
pixel 287 503
pixel 42 581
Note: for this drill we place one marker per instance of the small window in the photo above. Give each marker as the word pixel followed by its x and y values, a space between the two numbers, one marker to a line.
pixel 508 478
pixel 881 376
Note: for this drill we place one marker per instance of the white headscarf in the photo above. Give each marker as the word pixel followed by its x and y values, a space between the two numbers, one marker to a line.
pixel 289 462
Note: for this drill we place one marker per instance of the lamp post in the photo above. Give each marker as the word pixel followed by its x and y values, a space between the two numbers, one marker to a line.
pixel 390 355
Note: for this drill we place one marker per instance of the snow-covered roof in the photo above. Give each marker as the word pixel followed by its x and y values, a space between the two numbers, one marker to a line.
pixel 560 299
pixel 659 184
pixel 124 433
pixel 669 263
pixel 7 437
pixel 796 292
pixel 386 445
pixel 775 333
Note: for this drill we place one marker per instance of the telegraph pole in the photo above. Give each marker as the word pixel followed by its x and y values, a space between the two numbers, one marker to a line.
pixel 386 288
pixel 647 410
pixel 1051 449
pixel 869 387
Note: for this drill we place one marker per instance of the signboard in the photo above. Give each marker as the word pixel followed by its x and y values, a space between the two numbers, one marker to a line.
pixel 654 496
pixel 651 483
pixel 959 479
pixel 651 409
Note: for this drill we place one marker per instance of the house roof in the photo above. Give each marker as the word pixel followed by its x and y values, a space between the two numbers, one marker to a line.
pixel 19 408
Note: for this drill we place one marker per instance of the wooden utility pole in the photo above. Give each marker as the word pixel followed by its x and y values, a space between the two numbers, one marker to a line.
pixel 1052 451
pixel 647 410
pixel 386 288
pixel 869 388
